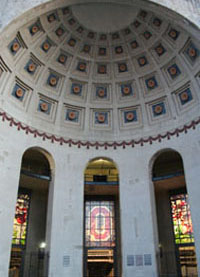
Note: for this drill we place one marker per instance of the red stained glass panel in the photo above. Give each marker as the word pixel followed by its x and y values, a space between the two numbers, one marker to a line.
pixel 21 219
pixel 99 224
pixel 181 217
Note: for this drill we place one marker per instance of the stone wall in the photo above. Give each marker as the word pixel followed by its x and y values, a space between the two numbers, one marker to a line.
pixel 137 204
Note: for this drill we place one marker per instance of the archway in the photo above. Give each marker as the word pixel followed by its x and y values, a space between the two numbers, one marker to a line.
pixel 175 232
pixel 28 255
pixel 101 219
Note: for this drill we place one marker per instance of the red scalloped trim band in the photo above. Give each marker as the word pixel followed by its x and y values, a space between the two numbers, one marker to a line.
pixel 97 145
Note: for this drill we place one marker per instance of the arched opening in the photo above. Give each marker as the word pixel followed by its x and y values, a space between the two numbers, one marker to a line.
pixel 176 240
pixel 101 219
pixel 28 255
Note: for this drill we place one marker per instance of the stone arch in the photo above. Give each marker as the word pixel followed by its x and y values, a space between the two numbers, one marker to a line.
pixel 30 245
pixel 174 223
pixel 156 155
pixel 46 153
pixel 101 194
pixel 103 158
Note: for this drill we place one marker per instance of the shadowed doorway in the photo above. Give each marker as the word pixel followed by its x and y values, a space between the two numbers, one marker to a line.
pixel 28 255
pixel 101 220
pixel 176 239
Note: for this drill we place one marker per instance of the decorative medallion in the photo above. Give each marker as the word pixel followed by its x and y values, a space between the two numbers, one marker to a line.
pixel 147 35
pixel 174 34
pixel 72 42
pixel 76 89
pixel 127 31
pixel 62 58
pixel 102 69
pixel 159 109
pixel 142 61
pixel 33 29
pixel 80 29
pixel 102 51
pixel 185 96
pixel 134 44
pixel 174 71
pixel 60 31
pixel 31 67
pixel 126 89
pixel 86 48
pixel 157 22
pixel 81 66
pixel 91 35
pixel 52 80
pixel 18 92
pixel 44 106
pixel 115 36
pixel 103 37
pixel 122 67
pixel 72 115
pixel 51 18
pixel 101 117
pixel 160 50
pixel 14 46
pixel 136 23
pixel 130 116
pixel 71 21
pixel 46 45
pixel 151 83
pixel 192 52
pixel 143 14
pixel 101 92
pixel 118 50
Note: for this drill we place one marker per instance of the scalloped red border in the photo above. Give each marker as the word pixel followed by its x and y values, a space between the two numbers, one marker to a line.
pixel 97 145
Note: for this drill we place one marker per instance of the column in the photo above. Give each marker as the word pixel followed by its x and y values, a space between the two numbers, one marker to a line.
pixel 66 238
pixel 191 161
pixel 10 163
pixel 137 216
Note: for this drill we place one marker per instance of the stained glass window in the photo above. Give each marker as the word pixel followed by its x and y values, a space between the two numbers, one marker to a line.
pixel 99 224
pixel 21 219
pixel 181 216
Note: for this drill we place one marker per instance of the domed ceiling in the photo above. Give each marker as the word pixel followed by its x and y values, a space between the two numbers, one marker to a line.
pixel 101 72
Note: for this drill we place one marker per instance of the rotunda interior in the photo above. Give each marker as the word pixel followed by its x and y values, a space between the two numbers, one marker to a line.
pixel 117 77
